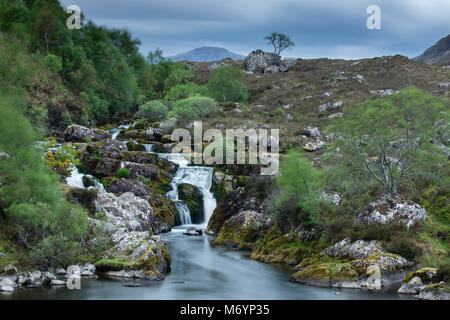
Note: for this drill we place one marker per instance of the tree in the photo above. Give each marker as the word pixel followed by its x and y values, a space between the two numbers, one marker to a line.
pixel 279 42
pixel 299 185
pixel 155 57
pixel 193 108
pixel 225 84
pixel 385 140
pixel 153 110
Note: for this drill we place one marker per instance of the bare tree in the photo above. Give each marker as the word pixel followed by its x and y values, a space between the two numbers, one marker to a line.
pixel 279 42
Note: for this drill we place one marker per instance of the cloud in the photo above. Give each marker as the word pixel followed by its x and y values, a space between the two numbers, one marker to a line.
pixel 320 28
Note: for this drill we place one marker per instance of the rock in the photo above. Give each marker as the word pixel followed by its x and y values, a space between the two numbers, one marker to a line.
pixel 127 211
pixel 360 77
pixel 314 145
pixel 79 134
pixel 243 229
pixel 10 269
pixel 324 107
pixel 383 93
pixel 436 291
pixel 412 287
pixel 136 251
pixel 271 69
pixel 287 64
pixel 192 231
pixel 444 85
pixel 218 177
pixel 234 202
pixel 145 170
pixel 6 282
pixel 57 283
pixel 60 272
pixel 313 132
pixel 153 134
pixel 88 270
pixel 193 198
pixel 167 126
pixel 387 209
pixel 336 115
pixel 6 289
pixel 332 197
pixel 47 277
pixel 339 275
pixel 132 284
pixel 84 197
pixel 337 104
pixel 258 61
pixel 427 275
pixel 107 167
pixel 123 185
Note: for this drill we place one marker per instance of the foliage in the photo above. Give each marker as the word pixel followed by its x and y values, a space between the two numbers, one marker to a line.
pixel 123 173
pixel 193 108
pixel 60 167
pixel 404 247
pixel 299 185
pixel 225 84
pixel 53 62
pixel 153 110
pixel 386 139
pixel 183 91
pixel 279 42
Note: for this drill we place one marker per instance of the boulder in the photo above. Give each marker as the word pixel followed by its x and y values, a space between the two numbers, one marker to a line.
pixel 145 170
pixel 6 289
pixel 126 211
pixel 444 85
pixel 123 185
pixel 88 270
pixel 388 209
pixel 271 69
pixel 234 202
pixel 242 230
pixel 47 278
pixel 10 269
pixel 314 145
pixel 287 64
pixel 79 134
pixel 331 197
pixel 73 270
pixel 6 282
pixel 193 231
pixel 258 61
pixel 412 287
pixel 58 283
pixel 60 272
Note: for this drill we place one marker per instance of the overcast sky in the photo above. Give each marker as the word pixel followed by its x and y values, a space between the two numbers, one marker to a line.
pixel 319 28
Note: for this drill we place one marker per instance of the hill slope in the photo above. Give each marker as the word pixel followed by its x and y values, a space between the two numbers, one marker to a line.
pixel 439 52
pixel 206 54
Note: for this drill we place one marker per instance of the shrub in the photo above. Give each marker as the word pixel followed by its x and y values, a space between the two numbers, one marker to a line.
pixel 443 273
pixel 404 247
pixel 123 173
pixel 193 108
pixel 183 91
pixel 53 62
pixel 153 110
pixel 225 84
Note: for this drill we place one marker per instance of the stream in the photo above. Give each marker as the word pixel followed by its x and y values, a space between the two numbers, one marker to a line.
pixel 199 270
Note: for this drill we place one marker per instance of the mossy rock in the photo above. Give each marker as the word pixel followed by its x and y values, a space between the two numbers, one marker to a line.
pixel 131 146
pixel 165 213
pixel 326 274
pixel 425 274
pixel 105 265
pixel 193 198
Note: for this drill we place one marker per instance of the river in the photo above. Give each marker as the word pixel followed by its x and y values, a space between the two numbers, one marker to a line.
pixel 199 270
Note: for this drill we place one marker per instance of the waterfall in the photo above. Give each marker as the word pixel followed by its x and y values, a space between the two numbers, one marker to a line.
pixel 76 179
pixel 116 131
pixel 149 148
pixel 199 176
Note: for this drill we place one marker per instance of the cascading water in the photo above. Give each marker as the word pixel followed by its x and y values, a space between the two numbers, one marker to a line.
pixel 201 177
pixel 76 179
pixel 116 131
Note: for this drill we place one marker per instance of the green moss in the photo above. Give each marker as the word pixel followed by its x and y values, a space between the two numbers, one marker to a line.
pixel 105 265
pixel 422 274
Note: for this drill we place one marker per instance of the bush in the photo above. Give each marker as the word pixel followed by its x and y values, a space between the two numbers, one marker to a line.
pixel 153 110
pixel 123 173
pixel 193 108
pixel 183 91
pixel 225 84
pixel 53 62
pixel 443 273
pixel 404 247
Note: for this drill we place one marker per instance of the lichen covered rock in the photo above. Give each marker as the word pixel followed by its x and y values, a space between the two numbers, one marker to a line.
pixel 242 230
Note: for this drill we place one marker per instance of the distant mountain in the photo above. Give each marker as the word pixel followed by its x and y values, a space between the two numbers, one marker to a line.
pixel 439 52
pixel 206 54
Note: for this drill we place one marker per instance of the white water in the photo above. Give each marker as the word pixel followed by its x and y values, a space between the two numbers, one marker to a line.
pixel 116 131
pixel 76 179
pixel 201 177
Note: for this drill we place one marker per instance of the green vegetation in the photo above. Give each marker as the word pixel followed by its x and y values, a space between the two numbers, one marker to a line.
pixel 123 173
pixel 225 84
pixel 193 108
pixel 153 111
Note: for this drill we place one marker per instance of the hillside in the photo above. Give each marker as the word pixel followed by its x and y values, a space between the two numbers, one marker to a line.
pixel 206 54
pixel 437 53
